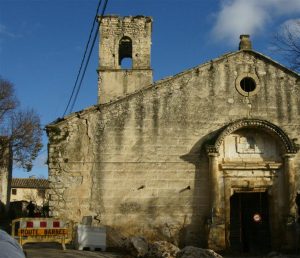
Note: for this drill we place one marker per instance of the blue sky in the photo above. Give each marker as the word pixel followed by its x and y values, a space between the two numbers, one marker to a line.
pixel 42 43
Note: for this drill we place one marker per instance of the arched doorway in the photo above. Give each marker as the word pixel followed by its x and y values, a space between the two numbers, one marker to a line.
pixel 251 162
pixel 250 222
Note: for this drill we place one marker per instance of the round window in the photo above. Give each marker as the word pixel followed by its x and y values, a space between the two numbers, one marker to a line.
pixel 247 84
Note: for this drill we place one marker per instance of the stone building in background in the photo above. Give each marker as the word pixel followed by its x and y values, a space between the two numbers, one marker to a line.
pixel 30 189
pixel 26 190
pixel 207 157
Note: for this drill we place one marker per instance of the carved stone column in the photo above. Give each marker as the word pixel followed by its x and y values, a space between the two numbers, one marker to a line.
pixel 214 184
pixel 216 236
pixel 289 171
pixel 291 211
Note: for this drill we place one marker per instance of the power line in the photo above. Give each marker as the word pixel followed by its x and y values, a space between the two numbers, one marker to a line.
pixel 82 61
pixel 84 56
pixel 89 56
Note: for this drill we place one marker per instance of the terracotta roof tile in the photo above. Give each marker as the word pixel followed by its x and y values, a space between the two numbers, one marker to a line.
pixel 29 183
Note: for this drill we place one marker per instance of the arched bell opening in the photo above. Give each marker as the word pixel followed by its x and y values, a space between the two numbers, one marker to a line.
pixel 125 53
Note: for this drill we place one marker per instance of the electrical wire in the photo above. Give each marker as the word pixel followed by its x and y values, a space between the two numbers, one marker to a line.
pixel 84 57
pixel 89 56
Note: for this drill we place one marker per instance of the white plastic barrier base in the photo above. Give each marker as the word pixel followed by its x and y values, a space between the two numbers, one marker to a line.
pixel 90 237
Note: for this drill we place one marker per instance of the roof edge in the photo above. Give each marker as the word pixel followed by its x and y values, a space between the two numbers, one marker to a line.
pixel 166 79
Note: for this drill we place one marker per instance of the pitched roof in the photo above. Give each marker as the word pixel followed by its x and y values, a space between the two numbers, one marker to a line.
pixel 29 183
pixel 170 78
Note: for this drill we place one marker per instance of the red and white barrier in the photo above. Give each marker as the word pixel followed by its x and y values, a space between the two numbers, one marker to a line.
pixel 41 223
pixel 30 230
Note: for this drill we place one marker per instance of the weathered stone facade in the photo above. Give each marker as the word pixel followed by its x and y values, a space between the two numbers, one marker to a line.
pixel 167 160
pixel 128 37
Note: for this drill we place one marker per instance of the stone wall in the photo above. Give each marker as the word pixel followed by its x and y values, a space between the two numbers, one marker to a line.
pixel 113 29
pixel 139 164
pixel 114 81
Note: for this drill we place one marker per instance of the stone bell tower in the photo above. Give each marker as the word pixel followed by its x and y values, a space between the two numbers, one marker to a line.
pixel 123 38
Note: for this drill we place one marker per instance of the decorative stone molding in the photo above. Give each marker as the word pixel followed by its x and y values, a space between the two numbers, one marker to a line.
pixel 211 150
pixel 289 146
pixel 255 80
pixel 249 166
pixel 255 176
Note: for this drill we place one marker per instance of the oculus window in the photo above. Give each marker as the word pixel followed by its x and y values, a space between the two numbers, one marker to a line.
pixel 247 84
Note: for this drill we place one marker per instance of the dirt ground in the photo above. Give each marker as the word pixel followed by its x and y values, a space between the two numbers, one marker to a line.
pixel 51 250
pixel 45 250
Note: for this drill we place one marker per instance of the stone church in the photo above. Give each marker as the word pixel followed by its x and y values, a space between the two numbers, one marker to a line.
pixel 207 157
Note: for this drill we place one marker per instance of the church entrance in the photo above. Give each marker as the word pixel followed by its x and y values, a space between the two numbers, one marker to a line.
pixel 249 222
pixel 252 178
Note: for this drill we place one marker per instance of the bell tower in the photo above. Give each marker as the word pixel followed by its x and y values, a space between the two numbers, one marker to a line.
pixel 123 39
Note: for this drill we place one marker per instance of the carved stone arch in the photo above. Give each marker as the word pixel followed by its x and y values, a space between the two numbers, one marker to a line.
pixel 289 147
pixel 251 175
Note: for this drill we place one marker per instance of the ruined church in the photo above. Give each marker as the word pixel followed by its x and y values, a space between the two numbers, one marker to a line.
pixel 207 157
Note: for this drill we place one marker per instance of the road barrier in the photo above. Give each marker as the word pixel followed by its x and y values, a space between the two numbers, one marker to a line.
pixel 90 237
pixel 35 230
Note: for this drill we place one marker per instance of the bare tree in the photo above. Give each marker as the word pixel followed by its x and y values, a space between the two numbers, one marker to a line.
pixel 8 101
pixel 287 42
pixel 20 129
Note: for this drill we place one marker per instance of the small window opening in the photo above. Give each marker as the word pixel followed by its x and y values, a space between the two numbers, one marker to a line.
pixel 248 84
pixel 14 191
pixel 125 53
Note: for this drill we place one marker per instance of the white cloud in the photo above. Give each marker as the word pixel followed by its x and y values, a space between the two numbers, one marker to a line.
pixel 238 17
pixel 4 32
pixel 281 7
pixel 292 26
pixel 2 29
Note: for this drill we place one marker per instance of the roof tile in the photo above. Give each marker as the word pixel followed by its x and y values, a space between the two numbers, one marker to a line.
pixel 29 183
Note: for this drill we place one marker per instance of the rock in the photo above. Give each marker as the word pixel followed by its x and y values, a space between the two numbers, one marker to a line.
pixel 136 246
pixel 139 245
pixel 195 252
pixel 162 249
pixel 115 238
